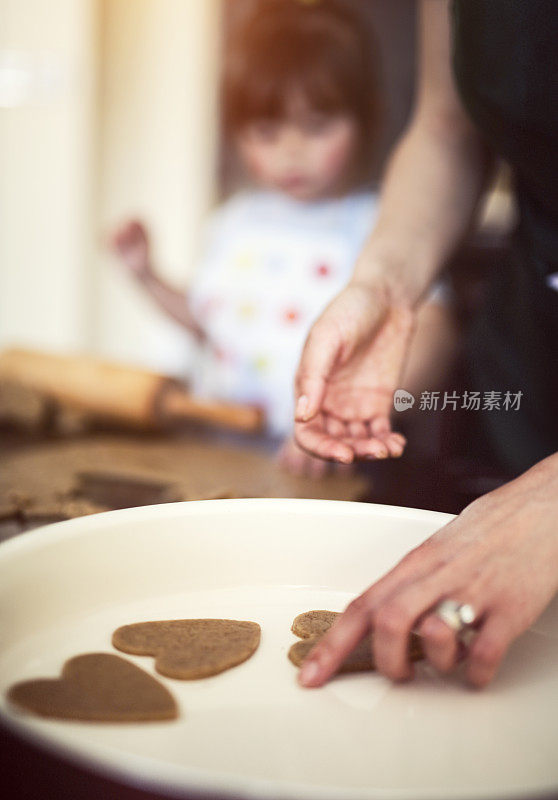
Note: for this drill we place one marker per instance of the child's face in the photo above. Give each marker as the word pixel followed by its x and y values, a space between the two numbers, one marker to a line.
pixel 307 155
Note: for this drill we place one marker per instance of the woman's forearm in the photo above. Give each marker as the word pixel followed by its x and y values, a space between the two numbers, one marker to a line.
pixel 434 178
pixel 431 190
pixel 535 494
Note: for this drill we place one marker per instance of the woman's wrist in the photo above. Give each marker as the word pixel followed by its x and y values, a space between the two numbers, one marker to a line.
pixel 397 270
pixel 528 502
pixel 539 483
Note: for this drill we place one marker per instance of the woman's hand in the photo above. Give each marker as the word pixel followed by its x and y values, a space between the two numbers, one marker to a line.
pixel 298 462
pixel 500 555
pixel 348 372
pixel 131 243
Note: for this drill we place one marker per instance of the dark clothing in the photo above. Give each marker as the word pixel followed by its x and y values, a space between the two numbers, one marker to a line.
pixel 505 59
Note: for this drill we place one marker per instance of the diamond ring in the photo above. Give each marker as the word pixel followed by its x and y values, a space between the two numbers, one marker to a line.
pixel 457 616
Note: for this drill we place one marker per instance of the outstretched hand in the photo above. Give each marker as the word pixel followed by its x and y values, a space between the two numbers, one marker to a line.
pixel 348 372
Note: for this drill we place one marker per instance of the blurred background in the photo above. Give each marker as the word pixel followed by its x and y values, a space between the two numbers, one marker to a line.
pixel 109 109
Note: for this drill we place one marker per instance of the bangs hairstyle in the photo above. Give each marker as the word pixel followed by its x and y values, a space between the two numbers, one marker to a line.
pixel 322 51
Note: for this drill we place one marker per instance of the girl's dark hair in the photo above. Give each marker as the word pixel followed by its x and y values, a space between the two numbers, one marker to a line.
pixel 322 50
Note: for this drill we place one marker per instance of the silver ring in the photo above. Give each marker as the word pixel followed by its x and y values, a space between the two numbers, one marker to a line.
pixel 457 616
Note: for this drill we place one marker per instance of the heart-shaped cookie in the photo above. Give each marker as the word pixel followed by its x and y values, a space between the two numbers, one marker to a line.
pixel 190 648
pixel 96 686
pixel 312 625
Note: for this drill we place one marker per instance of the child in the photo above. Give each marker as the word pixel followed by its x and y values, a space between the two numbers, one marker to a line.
pixel 300 105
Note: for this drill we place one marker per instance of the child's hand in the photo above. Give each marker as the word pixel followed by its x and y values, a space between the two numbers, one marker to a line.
pixel 297 462
pixel 131 243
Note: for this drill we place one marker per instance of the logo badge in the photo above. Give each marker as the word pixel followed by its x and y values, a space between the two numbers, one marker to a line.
pixel 403 400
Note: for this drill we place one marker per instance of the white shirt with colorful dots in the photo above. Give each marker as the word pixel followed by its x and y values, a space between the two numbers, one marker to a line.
pixel 269 267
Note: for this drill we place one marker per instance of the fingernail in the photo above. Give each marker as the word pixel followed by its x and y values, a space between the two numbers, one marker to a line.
pixel 308 673
pixel 302 407
pixel 377 456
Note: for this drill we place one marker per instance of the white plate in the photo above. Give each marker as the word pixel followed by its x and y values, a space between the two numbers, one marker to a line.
pixel 252 731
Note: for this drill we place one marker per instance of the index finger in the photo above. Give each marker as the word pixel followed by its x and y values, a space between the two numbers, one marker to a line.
pixel 313 437
pixel 319 354
pixel 326 657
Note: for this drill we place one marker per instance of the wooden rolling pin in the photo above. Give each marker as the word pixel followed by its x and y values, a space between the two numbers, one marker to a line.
pixel 115 392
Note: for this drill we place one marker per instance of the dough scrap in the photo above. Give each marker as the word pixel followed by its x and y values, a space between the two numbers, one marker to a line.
pixel 190 648
pixel 100 687
pixel 312 625
pixel 193 466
